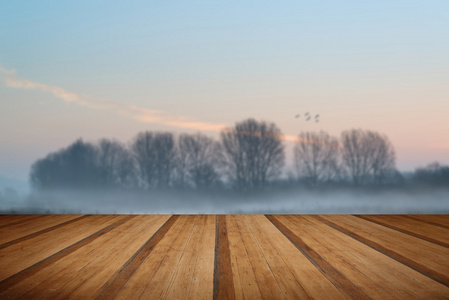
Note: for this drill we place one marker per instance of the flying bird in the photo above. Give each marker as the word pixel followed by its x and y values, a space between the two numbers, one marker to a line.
pixel 308 118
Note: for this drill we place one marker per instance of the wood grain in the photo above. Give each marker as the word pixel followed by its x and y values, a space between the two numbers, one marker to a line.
pixel 136 285
pixel 30 226
pixel 244 279
pixel 427 232
pixel 407 250
pixel 65 275
pixel 276 246
pixel 159 283
pixel 223 283
pixel 193 276
pixel 202 283
pixel 224 257
pixel 24 273
pixel 277 280
pixel 116 282
pixel 35 234
pixel 378 275
pixel 436 220
pixel 9 220
pixel 338 279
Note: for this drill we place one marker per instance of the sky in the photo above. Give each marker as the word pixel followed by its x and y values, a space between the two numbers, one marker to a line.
pixel 111 69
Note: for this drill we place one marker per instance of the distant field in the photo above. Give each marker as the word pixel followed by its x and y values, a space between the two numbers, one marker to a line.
pixel 224 256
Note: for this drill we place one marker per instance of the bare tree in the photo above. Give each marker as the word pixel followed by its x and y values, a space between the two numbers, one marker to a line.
pixel 154 154
pixel 116 164
pixel 368 156
pixel 198 161
pixel 316 156
pixel 254 153
pixel 72 167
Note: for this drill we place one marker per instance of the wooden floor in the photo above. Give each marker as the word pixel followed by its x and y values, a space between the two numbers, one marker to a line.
pixel 224 256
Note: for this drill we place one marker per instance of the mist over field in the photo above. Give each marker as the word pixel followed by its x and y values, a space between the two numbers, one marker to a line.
pixel 287 202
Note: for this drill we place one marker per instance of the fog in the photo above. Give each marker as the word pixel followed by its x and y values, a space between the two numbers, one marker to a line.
pixel 242 172
pixel 187 202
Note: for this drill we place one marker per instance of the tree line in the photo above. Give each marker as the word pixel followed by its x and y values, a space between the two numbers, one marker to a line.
pixel 248 156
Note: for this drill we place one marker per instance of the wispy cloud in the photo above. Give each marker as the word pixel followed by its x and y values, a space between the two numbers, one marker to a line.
pixel 13 81
pixel 137 113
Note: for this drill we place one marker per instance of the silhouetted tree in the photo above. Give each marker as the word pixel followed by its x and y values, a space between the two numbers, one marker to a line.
pixel 198 161
pixel 433 174
pixel 316 156
pixel 254 153
pixel 251 154
pixel 155 157
pixel 368 156
pixel 116 164
pixel 73 167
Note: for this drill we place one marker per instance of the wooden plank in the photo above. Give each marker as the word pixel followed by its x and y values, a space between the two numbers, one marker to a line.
pixel 94 276
pixel 180 281
pixel 28 227
pixel 314 283
pixel 269 287
pixel 137 283
pixel 202 284
pixel 17 274
pixel 341 252
pixel 13 223
pixel 378 275
pixel 273 276
pixel 57 262
pixel 338 279
pixel 274 244
pixel 120 278
pixel 427 232
pixel 158 285
pixel 422 256
pixel 9 220
pixel 436 220
pixel 245 282
pixel 18 257
pixel 71 270
pixel 223 282
pixel 37 233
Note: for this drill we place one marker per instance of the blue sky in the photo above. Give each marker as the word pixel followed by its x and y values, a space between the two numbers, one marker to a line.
pixel 95 69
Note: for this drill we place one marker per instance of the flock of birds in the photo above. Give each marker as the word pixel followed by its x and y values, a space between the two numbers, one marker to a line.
pixel 308 117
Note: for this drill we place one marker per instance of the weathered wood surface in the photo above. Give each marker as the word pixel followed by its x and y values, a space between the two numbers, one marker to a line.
pixel 224 257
